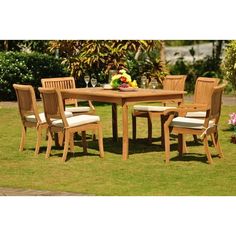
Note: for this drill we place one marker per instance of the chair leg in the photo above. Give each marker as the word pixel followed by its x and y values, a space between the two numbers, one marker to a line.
pixel 72 146
pixel 180 144
pixel 185 149
pixel 167 143
pixel 149 129
pixel 49 145
pixel 22 142
pixel 195 139
pixel 84 142
pixel 215 139
pixel 182 148
pixel 100 141
pixel 60 139
pixel 66 145
pixel 134 127
pixel 39 138
pixel 206 147
pixel 162 118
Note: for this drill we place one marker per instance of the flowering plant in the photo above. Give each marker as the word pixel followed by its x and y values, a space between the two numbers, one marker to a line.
pixel 232 122
pixel 122 79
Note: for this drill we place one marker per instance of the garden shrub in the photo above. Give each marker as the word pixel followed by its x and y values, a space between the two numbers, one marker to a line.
pixel 207 67
pixel 229 64
pixel 26 68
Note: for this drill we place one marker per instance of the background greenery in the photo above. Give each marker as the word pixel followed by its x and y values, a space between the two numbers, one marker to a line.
pixel 27 61
pixel 27 68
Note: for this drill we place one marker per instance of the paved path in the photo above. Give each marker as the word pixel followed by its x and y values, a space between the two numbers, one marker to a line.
pixel 31 192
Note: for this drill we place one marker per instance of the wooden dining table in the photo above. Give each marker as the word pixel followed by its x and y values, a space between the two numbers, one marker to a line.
pixel 124 99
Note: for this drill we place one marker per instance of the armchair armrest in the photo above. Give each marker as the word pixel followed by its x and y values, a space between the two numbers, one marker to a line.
pixel 193 106
pixel 184 108
pixel 171 111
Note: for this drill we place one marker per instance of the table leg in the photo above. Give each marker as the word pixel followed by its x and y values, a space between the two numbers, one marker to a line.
pixel 125 142
pixel 114 122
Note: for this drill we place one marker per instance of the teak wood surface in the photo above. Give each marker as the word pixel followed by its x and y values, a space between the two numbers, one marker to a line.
pixel 124 99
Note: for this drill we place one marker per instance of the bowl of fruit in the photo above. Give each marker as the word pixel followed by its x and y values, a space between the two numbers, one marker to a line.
pixel 126 88
pixel 123 81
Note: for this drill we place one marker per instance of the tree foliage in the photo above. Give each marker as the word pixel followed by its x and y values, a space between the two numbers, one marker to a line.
pixel 229 63
pixel 99 56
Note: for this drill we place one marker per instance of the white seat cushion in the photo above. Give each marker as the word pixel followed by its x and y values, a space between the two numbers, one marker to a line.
pixel 152 108
pixel 77 120
pixel 78 109
pixel 189 123
pixel 196 114
pixel 31 118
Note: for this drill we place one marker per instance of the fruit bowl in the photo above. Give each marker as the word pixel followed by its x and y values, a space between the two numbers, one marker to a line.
pixel 127 89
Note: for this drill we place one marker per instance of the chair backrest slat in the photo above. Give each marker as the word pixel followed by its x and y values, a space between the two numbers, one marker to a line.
pixel 60 83
pixel 26 101
pixel 216 101
pixel 53 105
pixel 203 89
pixel 174 82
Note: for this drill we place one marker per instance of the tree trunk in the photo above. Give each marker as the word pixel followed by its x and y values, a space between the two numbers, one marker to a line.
pixel 6 45
pixel 162 54
pixel 218 49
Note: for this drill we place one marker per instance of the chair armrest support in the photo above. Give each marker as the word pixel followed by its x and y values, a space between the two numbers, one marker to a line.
pixel 91 105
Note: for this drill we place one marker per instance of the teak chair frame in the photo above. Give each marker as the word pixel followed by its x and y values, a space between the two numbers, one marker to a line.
pixel 54 109
pixel 213 111
pixel 66 83
pixel 203 87
pixel 171 82
pixel 27 106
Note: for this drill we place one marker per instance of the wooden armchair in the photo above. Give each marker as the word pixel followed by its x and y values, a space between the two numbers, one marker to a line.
pixel 57 122
pixel 68 83
pixel 203 88
pixel 30 116
pixel 203 127
pixel 171 82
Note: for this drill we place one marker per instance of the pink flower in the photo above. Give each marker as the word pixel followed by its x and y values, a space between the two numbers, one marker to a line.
pixel 232 120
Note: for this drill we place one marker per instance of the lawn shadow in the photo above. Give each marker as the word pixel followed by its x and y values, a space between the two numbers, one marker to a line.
pixel 187 157
pixel 139 146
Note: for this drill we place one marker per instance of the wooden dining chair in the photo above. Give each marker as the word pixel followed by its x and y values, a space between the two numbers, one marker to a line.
pixel 29 114
pixel 181 125
pixel 171 82
pixel 68 83
pixel 203 88
pixel 57 122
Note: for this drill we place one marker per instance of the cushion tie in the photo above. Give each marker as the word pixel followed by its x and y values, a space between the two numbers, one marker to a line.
pixel 203 135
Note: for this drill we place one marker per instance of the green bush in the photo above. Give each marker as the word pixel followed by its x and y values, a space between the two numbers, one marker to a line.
pixel 26 68
pixel 207 67
pixel 229 64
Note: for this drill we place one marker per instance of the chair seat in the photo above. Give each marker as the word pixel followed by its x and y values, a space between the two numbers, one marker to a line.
pixel 78 109
pixel 31 118
pixel 77 120
pixel 151 108
pixel 190 123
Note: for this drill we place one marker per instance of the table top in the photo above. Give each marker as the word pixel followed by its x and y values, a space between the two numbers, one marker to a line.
pixel 121 94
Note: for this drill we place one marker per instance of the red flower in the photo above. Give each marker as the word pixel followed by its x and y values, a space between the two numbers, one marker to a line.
pixel 123 79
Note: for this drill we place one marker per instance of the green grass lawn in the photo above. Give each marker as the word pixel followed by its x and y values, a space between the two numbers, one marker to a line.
pixel 143 174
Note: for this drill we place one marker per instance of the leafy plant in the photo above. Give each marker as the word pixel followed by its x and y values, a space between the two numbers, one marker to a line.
pixel 229 64
pixel 206 67
pixel 26 68
pixel 97 56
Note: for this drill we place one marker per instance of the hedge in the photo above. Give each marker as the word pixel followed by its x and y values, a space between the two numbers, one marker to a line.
pixel 27 68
